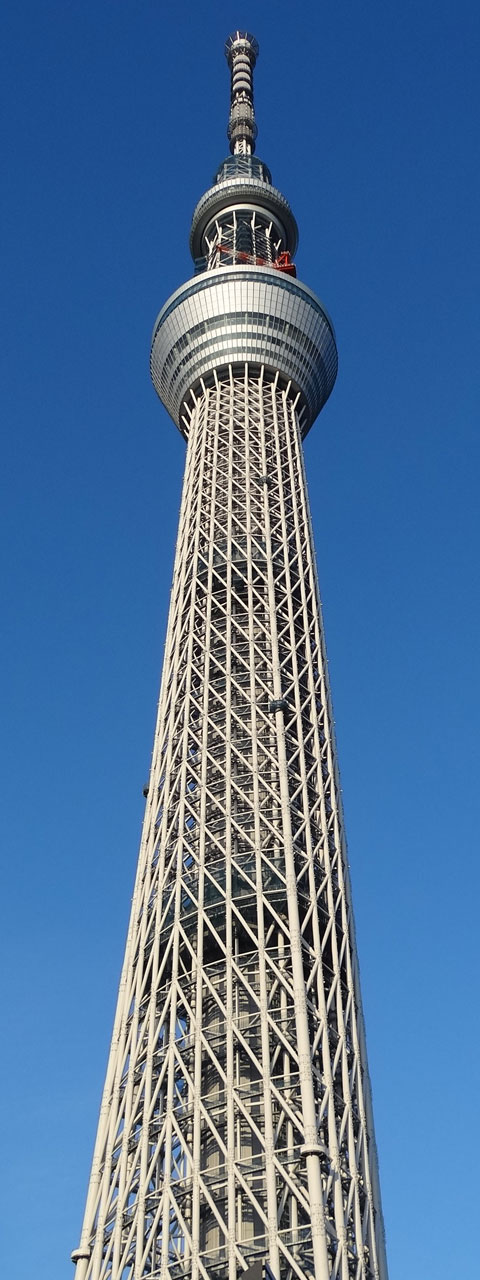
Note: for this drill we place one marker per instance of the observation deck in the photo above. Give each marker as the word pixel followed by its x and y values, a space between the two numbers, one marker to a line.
pixel 238 315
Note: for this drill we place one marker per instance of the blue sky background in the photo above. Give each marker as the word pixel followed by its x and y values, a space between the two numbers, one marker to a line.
pixel 115 118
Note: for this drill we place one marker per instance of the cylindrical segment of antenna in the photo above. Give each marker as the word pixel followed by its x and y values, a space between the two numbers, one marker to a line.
pixel 241 51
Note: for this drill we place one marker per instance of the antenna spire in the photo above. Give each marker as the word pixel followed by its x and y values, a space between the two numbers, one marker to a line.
pixel 241 52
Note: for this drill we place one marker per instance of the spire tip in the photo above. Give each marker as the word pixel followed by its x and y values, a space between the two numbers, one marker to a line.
pixel 245 39
pixel 241 52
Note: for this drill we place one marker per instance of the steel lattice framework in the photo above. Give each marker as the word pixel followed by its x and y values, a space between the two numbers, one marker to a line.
pixel 236 1120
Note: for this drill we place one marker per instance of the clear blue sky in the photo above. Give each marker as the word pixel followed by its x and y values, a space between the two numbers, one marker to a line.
pixel 115 117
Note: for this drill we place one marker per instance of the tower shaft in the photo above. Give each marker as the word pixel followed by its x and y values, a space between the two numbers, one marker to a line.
pixel 236 1121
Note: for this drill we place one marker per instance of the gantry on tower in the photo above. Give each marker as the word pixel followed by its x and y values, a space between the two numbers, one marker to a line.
pixel 236 1126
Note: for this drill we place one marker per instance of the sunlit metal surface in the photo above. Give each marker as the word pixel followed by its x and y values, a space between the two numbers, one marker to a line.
pixel 236 1125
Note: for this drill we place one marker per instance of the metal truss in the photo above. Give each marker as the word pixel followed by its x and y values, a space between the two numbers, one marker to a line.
pixel 236 1119
pixel 242 237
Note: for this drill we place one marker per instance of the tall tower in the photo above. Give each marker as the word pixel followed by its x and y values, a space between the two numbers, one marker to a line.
pixel 236 1125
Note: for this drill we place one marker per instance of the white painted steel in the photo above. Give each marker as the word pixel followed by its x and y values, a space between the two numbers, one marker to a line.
pixel 234 1124
pixel 236 1121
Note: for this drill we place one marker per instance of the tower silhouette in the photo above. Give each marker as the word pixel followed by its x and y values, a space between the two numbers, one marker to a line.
pixel 236 1129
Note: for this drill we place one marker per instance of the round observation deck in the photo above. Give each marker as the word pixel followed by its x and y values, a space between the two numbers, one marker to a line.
pixel 243 315
pixel 239 189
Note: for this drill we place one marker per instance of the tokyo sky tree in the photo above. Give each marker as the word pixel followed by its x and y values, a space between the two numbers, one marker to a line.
pixel 236 1129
